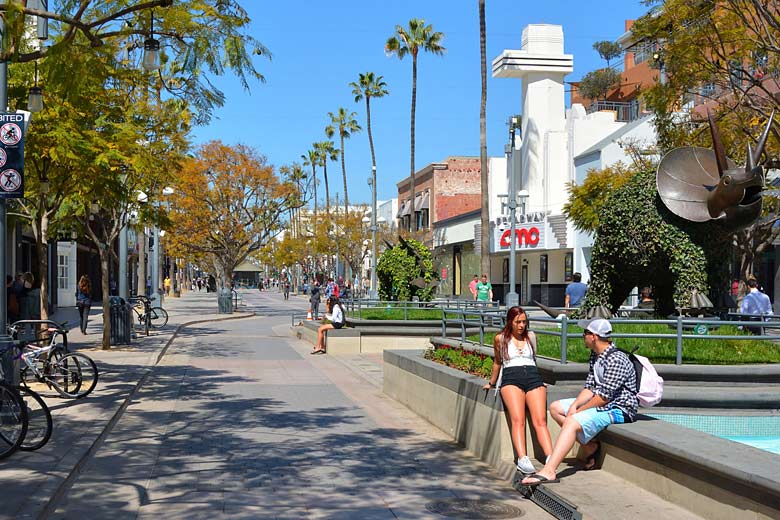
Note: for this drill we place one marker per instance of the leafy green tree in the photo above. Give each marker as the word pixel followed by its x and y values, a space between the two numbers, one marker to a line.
pixel 586 200
pixel 597 84
pixel 344 123
pixel 608 50
pixel 410 40
pixel 400 266
pixel 366 87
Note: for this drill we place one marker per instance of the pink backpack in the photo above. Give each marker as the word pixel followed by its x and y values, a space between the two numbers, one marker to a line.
pixel 651 385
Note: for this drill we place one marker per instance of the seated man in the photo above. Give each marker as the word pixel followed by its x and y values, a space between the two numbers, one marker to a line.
pixel 609 397
pixel 755 302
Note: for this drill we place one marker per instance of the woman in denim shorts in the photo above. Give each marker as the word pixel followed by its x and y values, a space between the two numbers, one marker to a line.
pixel 515 373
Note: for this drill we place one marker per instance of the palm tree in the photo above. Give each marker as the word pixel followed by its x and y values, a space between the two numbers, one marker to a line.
pixel 484 254
pixel 326 151
pixel 409 40
pixel 345 123
pixel 312 158
pixel 367 86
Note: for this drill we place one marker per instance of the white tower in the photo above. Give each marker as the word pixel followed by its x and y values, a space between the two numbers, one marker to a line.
pixel 542 65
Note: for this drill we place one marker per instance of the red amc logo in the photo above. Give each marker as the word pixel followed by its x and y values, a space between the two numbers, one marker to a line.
pixel 529 237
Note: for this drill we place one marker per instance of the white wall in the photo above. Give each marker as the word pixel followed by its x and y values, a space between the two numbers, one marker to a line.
pixel 66 296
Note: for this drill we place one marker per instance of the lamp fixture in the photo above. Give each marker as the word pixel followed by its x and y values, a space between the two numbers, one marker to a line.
pixel 94 207
pixel 151 60
pixel 43 185
pixel 35 97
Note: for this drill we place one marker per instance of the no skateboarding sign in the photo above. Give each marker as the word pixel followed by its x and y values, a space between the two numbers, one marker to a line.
pixel 11 155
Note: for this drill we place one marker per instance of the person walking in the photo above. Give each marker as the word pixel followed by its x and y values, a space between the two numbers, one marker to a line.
pixel 755 302
pixel 484 290
pixel 575 291
pixel 516 376
pixel 314 300
pixel 84 301
pixel 473 286
pixel 608 397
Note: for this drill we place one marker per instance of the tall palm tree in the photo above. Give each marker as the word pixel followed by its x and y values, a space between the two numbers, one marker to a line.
pixel 345 124
pixel 409 40
pixel 327 152
pixel 312 158
pixel 484 254
pixel 367 86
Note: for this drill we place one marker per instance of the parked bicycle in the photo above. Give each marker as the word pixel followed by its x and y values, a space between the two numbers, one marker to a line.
pixel 72 375
pixel 13 418
pixel 148 316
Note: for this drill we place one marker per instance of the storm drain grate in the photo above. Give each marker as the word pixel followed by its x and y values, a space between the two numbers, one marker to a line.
pixel 474 509
pixel 554 504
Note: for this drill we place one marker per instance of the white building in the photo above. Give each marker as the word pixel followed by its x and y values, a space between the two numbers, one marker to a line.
pixel 555 146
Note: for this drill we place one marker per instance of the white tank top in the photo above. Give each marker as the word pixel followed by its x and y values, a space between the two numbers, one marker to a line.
pixel 518 357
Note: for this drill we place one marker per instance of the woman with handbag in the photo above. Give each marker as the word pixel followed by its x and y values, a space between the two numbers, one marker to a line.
pixel 516 376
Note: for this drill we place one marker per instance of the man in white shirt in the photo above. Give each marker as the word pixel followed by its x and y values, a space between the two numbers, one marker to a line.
pixel 755 302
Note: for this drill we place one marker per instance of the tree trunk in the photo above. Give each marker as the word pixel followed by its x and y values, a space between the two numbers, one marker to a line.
pixel 41 246
pixel 314 181
pixel 344 174
pixel 483 161
pixel 106 343
pixel 141 241
pixel 370 137
pixel 327 190
pixel 413 226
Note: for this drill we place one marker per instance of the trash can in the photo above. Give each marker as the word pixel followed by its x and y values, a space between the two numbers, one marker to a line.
pixel 10 362
pixel 121 315
pixel 225 301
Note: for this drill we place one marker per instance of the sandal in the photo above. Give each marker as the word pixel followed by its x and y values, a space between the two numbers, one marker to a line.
pixel 592 461
pixel 317 351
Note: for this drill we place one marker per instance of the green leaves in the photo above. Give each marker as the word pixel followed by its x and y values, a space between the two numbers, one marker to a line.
pixel 398 267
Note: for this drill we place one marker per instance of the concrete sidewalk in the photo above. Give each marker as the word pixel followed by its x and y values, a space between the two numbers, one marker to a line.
pixel 33 481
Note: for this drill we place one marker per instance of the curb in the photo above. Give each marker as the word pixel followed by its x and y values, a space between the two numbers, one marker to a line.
pixel 50 505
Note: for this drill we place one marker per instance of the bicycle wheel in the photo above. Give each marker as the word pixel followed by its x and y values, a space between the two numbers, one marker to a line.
pixel 73 375
pixel 158 317
pixel 13 420
pixel 39 424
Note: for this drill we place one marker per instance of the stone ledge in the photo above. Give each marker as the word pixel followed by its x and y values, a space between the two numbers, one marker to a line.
pixel 695 470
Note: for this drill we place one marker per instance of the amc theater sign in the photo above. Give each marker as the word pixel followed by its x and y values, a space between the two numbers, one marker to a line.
pixel 526 237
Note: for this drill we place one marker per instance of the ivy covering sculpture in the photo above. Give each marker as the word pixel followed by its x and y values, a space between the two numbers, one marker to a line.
pixel 405 271
pixel 671 229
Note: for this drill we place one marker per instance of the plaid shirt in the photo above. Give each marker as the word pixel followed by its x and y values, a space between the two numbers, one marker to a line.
pixel 615 381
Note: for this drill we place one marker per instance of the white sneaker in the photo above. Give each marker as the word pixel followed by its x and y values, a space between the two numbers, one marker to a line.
pixel 524 465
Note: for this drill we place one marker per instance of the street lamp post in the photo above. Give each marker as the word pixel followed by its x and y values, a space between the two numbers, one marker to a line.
pixel 372 182
pixel 512 298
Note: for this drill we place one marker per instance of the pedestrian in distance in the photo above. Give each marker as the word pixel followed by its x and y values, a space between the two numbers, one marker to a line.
pixel 84 301
pixel 755 302
pixel 608 397
pixel 484 290
pixel 334 312
pixel 314 300
pixel 516 376
pixel 575 291
pixel 473 287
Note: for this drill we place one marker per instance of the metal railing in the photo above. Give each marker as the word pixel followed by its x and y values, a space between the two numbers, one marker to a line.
pixel 485 319
pixel 625 111
pixel 356 306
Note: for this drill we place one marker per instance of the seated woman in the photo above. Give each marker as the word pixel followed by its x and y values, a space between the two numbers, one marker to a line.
pixel 335 313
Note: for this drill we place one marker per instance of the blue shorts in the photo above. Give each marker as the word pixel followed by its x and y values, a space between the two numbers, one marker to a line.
pixel 592 420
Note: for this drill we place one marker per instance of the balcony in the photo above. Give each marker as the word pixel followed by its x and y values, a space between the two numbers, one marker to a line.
pixel 625 111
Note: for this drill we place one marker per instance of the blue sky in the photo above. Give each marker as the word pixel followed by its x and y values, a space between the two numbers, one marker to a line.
pixel 320 47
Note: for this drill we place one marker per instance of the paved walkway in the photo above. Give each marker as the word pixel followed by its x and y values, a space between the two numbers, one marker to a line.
pixel 236 420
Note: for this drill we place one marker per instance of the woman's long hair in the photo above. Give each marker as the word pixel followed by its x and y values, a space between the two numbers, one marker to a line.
pixel 506 332
pixel 85 285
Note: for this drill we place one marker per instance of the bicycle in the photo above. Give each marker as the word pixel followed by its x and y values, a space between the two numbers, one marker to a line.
pixel 72 375
pixel 13 418
pixel 39 421
pixel 151 317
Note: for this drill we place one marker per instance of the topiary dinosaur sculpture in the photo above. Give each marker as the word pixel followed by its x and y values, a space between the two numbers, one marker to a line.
pixel 672 229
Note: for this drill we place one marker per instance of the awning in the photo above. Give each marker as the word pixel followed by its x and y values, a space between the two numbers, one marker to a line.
pixel 423 202
pixel 406 209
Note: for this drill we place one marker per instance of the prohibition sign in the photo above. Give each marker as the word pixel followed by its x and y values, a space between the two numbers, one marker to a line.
pixel 10 134
pixel 10 180
pixel 3 157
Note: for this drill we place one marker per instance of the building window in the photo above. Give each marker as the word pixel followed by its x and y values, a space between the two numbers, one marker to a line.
pixel 63 274
pixel 568 267
pixel 543 268
pixel 422 219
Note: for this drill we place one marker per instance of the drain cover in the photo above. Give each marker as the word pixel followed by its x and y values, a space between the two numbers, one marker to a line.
pixel 474 509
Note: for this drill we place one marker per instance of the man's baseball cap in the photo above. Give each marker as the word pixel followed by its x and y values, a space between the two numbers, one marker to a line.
pixel 599 326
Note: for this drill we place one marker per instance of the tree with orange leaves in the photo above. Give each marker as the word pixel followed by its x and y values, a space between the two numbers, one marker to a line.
pixel 229 202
